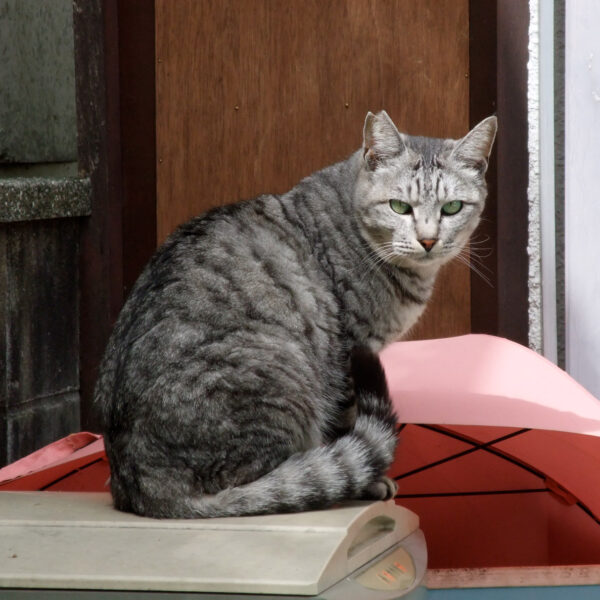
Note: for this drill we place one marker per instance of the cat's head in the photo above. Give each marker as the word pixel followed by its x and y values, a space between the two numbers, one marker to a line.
pixel 419 199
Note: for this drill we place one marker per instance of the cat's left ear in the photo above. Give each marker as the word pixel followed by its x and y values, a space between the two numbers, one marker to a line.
pixel 381 139
pixel 475 148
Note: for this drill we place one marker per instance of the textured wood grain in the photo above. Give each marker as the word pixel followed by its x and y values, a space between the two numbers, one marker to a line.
pixel 96 30
pixel 253 95
pixel 512 216
pixel 39 367
pixel 483 94
pixel 136 91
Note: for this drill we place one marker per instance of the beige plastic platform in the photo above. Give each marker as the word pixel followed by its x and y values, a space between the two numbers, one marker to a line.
pixel 78 541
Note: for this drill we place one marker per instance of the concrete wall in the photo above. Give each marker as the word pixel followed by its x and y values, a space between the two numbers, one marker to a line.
pixel 37 97
pixel 41 202
pixel 39 336
pixel 546 248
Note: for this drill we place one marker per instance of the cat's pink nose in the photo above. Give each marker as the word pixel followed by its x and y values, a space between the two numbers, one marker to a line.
pixel 428 243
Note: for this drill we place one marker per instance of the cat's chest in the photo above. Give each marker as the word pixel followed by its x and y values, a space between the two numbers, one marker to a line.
pixel 398 314
pixel 401 320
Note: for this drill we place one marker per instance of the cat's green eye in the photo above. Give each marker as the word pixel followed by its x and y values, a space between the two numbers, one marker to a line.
pixel 451 208
pixel 402 208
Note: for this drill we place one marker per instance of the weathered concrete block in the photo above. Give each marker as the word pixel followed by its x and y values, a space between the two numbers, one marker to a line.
pixel 37 71
pixel 29 198
pixel 38 423
pixel 39 333
pixel 42 330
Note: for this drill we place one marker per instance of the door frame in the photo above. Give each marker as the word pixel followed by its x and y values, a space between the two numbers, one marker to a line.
pixel 116 102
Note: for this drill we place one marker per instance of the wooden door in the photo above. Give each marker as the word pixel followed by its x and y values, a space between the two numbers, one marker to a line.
pixel 253 95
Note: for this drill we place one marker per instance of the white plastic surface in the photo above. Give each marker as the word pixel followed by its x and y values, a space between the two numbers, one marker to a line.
pixel 78 541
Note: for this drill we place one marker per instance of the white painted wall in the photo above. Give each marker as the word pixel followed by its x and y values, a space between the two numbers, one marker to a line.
pixel 582 192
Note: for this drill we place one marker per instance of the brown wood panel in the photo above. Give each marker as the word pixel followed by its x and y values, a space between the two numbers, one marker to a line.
pixel 115 84
pixel 137 135
pixel 482 103
pixel 512 216
pixel 101 257
pixel 252 95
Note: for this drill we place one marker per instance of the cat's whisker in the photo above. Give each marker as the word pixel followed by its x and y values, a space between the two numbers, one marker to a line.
pixel 474 256
pixel 464 260
pixel 478 258
pixel 370 263
pixel 478 249
pixel 478 255
pixel 377 261
pixel 373 256
pixel 481 275
pixel 478 241
pixel 467 256
pixel 384 257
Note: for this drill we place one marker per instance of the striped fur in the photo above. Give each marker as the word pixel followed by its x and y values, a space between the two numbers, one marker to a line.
pixel 241 377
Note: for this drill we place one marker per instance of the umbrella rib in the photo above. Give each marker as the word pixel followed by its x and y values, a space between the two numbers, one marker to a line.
pixel 487 447
pixel 474 493
pixel 458 454
pixel 77 470
pixel 496 452
pixel 588 511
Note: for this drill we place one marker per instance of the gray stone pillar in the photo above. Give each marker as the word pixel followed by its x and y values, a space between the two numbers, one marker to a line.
pixel 41 202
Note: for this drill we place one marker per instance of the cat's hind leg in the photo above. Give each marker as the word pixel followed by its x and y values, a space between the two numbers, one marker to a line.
pixel 373 403
pixel 384 488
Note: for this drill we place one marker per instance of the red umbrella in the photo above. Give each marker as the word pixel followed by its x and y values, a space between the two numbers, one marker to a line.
pixel 524 488
pixel 76 463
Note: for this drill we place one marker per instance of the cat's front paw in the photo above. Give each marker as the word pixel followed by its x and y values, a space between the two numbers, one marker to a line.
pixel 382 489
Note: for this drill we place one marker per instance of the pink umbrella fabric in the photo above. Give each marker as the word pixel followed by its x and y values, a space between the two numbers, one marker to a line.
pixel 485 380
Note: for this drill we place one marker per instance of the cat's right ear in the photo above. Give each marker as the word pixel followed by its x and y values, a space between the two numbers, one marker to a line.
pixel 474 149
pixel 381 139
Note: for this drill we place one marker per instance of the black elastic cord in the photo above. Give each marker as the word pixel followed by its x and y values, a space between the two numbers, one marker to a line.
pixel 476 447
pixel 82 468
pixel 486 447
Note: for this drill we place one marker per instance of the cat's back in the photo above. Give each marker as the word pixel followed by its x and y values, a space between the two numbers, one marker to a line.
pixel 239 280
pixel 208 261
pixel 234 255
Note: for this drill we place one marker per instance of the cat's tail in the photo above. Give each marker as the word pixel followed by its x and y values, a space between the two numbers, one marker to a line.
pixel 351 467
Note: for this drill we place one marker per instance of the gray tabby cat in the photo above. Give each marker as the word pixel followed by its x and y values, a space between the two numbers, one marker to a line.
pixel 241 376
